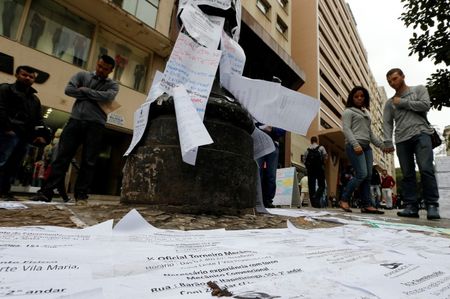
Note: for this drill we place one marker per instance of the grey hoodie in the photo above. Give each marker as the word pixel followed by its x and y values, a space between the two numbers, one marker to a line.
pixel 356 127
pixel 408 116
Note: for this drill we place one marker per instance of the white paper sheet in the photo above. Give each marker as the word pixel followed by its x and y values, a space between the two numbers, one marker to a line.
pixel 191 130
pixel 232 61
pixel 206 30
pixel 155 90
pixel 273 104
pixel 262 144
pixel 140 124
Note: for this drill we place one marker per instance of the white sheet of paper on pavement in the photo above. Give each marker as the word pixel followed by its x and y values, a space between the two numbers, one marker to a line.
pixel 206 30
pixel 155 90
pixel 273 104
pixel 12 205
pixel 191 130
pixel 262 144
pixel 140 123
pixel 350 261
pixel 232 61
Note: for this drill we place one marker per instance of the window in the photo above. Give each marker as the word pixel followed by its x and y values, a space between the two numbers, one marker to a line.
pixel 131 62
pixel 144 10
pixel 10 10
pixel 283 3
pixel 281 26
pixel 263 6
pixel 53 29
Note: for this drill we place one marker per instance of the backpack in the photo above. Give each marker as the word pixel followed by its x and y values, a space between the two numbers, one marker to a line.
pixel 314 158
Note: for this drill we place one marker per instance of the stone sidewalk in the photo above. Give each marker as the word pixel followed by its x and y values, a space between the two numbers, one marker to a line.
pixel 102 208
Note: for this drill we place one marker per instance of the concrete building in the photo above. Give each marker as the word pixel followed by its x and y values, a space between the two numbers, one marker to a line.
pixel 62 37
pixel 327 46
pixel 446 135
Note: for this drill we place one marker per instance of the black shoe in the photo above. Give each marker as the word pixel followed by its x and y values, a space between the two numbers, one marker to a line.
pixel 41 197
pixel 409 211
pixel 371 210
pixel 8 197
pixel 433 212
pixel 269 206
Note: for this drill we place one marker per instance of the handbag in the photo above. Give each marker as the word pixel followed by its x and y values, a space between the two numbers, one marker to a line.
pixel 435 138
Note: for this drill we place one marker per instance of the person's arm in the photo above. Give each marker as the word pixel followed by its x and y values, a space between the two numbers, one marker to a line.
pixel 393 183
pixel 388 124
pixel 375 140
pixel 347 128
pixel 103 95
pixel 5 125
pixel 73 87
pixel 420 101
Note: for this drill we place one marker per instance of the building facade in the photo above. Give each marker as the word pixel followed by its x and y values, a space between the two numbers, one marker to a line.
pixel 327 46
pixel 61 37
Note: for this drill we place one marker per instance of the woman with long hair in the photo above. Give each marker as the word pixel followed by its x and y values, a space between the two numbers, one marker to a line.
pixel 358 137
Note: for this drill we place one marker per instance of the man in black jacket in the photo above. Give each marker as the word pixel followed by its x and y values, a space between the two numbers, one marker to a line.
pixel 21 122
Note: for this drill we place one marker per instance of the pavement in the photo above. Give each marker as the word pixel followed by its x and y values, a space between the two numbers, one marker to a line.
pixel 102 208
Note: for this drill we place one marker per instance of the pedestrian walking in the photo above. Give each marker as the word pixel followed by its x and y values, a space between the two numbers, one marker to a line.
pixel 314 159
pixel 358 137
pixel 407 111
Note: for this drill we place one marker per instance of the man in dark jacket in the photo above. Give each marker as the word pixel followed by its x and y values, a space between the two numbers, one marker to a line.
pixel 20 121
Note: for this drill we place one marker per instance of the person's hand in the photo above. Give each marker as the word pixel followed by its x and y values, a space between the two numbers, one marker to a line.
pixel 39 140
pixel 358 150
pixel 10 133
pixel 396 101
pixel 267 129
pixel 388 150
pixel 83 89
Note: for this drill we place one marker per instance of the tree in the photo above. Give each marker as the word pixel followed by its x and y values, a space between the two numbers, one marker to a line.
pixel 430 20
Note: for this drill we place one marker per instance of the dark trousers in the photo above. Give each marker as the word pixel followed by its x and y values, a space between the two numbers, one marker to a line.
pixel 12 151
pixel 76 133
pixel 316 177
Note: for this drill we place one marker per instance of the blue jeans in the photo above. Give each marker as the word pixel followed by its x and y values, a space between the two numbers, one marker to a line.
pixel 362 164
pixel 269 175
pixel 419 147
pixel 12 151
pixel 76 133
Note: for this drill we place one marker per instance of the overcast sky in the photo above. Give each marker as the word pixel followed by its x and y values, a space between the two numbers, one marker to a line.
pixel 386 40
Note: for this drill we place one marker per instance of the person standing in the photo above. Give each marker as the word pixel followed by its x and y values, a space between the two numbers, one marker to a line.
pixel 268 165
pixel 407 110
pixel 304 190
pixel 21 123
pixel 387 183
pixel 314 159
pixel 375 183
pixel 358 137
pixel 85 127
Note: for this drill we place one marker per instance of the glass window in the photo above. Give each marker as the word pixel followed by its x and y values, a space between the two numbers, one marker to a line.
pixel 283 3
pixel 281 26
pixel 131 62
pixel 144 10
pixel 53 29
pixel 11 11
pixel 263 6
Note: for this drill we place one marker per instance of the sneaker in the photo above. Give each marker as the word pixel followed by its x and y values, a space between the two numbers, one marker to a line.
pixel 8 197
pixel 40 197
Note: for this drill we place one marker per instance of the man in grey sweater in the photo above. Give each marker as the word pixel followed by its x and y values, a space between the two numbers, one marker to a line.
pixel 85 127
pixel 408 109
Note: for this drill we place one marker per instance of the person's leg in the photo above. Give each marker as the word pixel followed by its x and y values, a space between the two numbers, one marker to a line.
pixel 359 165
pixel 430 193
pixel 10 169
pixel 389 199
pixel 321 188
pixel 312 178
pixel 68 144
pixel 405 154
pixel 364 187
pixel 272 165
pixel 92 144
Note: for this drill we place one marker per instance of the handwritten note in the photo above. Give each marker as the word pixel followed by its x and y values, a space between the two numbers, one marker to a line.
pixel 232 61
